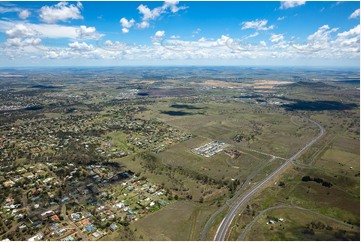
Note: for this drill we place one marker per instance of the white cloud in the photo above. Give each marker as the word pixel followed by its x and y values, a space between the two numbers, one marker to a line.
pixel 24 14
pixel 20 42
pixel 349 41
pixel 20 31
pixel 143 25
pixel 60 12
pixel 79 5
pixel 172 5
pixel 252 35
pixel 9 9
pixel 126 24
pixel 158 36
pixel 110 43
pixel 322 35
pixel 159 33
pixel 263 43
pixel 275 38
pixel 148 14
pixel 175 37
pixel 291 4
pixel 80 46
pixel 55 31
pixel 257 24
pixel 352 32
pixel 355 14
pixel 281 18
pixel 52 31
pixel 85 32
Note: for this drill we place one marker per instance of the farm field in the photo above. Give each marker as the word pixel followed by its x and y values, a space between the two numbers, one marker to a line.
pixel 118 161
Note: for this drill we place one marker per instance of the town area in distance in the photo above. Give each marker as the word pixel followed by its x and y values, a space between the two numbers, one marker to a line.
pixel 179 153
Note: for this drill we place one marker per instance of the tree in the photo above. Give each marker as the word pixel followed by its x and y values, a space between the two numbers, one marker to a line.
pixel 306 178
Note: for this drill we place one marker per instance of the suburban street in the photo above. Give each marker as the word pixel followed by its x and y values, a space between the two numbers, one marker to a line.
pixel 222 230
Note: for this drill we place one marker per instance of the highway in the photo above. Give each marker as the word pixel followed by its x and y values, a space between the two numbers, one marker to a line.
pixel 222 230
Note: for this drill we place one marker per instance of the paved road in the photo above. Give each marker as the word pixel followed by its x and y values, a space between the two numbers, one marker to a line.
pixel 229 202
pixel 221 233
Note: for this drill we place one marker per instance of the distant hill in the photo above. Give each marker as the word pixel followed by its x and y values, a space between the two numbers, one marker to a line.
pixel 310 84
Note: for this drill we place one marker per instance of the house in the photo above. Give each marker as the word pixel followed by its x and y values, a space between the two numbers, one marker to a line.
pixel 69 238
pixel 55 217
pixel 85 221
pixel 75 216
pixel 64 199
pixel 9 183
pixel 96 235
pixel 61 232
pixel 119 205
pixel 37 237
pixel 54 227
pixel 90 228
pixel 21 227
pixel 113 226
pixel 46 214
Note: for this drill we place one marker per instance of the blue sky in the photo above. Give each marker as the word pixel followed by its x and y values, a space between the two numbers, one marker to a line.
pixel 294 33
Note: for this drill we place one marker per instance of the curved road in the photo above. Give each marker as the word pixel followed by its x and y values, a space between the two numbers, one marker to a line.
pixel 226 222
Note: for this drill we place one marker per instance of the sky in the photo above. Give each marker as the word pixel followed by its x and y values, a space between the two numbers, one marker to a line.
pixel 128 33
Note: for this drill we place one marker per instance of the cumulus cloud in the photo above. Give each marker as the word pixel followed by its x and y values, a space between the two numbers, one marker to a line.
pixel 52 31
pixel 24 14
pixel 172 5
pixel 355 14
pixel 126 24
pixel 85 32
pixel 275 38
pixel 322 35
pixel 352 32
pixel 20 31
pixel 62 11
pixel 158 36
pixel 281 18
pixel 21 36
pixel 77 46
pixel 143 25
pixel 22 42
pixel 147 14
pixel 257 24
pixel 159 33
pixel 349 40
pixel 291 4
